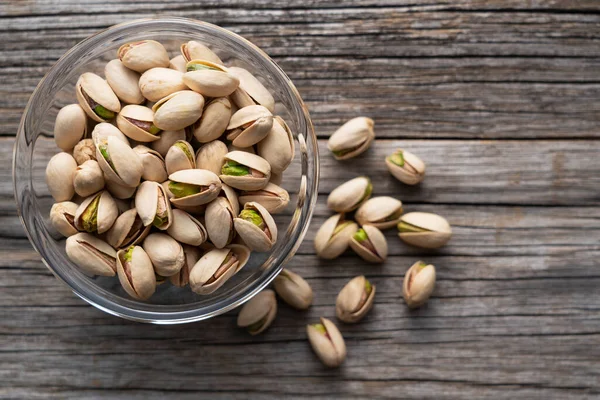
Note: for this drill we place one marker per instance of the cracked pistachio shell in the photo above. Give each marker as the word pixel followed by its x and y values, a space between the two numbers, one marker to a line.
pixel 192 255
pixel 194 50
pixel 258 313
pixel 257 238
pixel 124 82
pixel 166 139
pixel 382 212
pixel 70 126
pixel 370 244
pixel 84 150
pixel 214 120
pixel 88 178
pixel 406 167
pixel 272 197
pixel 178 110
pixel 355 300
pixel 352 138
pixel 59 176
pixel 125 166
pixel 195 210
pixel 62 218
pixel 213 81
pixel 210 156
pixel 293 289
pixel 152 205
pixel 208 186
pixel 350 195
pixel 219 217
pixel 327 342
pixel 333 237
pixel 96 97
pixel 119 191
pixel 178 63
pixel 143 55
pixel 92 255
pixel 425 230
pixel 187 229
pixel 128 230
pixel 278 146
pixel 418 284
pixel 216 267
pixel 136 274
pixel 105 213
pixel 166 254
pixel 104 130
pixel 253 88
pixel 249 125
pixel 257 168
pixel 136 122
pixel 153 163
pixel 179 157
pixel 157 83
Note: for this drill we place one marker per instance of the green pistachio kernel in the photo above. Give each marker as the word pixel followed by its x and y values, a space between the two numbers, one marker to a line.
pixel 397 158
pixel 159 221
pixel 180 189
pixel 104 113
pixel 368 287
pixel 106 155
pixel 200 67
pixel 321 328
pixel 154 130
pixel 341 226
pixel 406 227
pixel 234 169
pixel 184 147
pixel 90 216
pixel 360 235
pixel 252 216
pixel 128 254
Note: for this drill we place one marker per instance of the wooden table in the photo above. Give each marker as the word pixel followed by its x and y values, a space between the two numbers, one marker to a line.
pixel 501 98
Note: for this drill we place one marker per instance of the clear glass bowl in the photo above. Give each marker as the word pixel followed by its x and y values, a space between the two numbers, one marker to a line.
pixel 35 145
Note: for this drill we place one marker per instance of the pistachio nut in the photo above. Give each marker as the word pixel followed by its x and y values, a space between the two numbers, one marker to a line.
pixel 258 313
pixel 194 50
pixel 214 120
pixel 209 79
pixel 128 230
pixel 117 190
pixel 276 178
pixel 355 300
pixel 104 130
pixel 153 163
pixel 59 176
pixel 370 244
pixel 157 83
pixel 178 110
pixel 382 212
pixel 178 63
pixel 210 156
pixel 137 123
pixel 333 236
pixel 97 213
pixel 418 284
pixel 272 197
pixel 166 140
pixel 350 195
pixel 62 217
pixel 84 150
pixel 253 88
pixel 192 255
pixel 193 187
pixel 406 167
pixel 256 227
pixel 70 126
pixel 293 289
pixel 352 138
pixel 278 146
pixel 187 229
pixel 124 82
pixel 425 230
pixel 166 254
pixel 245 171
pixel 249 125
pixel 143 55
pixel 327 342
pixel 136 273
pixel 152 205
pixel 180 157
pixel 92 255
pixel 250 149
pixel 216 267
pixel 88 178
pixel 119 162
pixel 219 217
pixel 240 99
pixel 96 97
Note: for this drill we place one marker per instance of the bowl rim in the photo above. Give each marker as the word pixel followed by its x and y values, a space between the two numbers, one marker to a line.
pixel 239 298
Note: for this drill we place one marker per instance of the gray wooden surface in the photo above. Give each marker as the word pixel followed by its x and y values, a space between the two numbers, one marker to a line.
pixel 500 97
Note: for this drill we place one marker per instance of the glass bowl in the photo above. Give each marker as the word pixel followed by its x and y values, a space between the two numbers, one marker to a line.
pixel 35 145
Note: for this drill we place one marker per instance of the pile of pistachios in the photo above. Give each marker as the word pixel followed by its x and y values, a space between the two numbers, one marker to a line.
pixel 169 169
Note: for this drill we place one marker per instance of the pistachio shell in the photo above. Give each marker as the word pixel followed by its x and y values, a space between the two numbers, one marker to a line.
pixel 187 229
pixel 126 166
pixel 178 63
pixel 178 110
pixel 293 289
pixel 151 199
pixel 247 182
pixel 350 195
pixel 276 178
pixel 210 156
pixel 213 82
pixel 418 284
pixel 219 222
pixel 143 55
pixel 272 197
pixel 250 150
pixel 382 212
pixel 106 214
pixel 249 125
pixel 258 313
pixel 194 50
pixel 166 254
pixel 59 176
pixel 128 230
pixel 136 275
pixel 62 218
pixel 214 121
pixel 352 138
pixel 119 191
pixel 178 159
pixel 88 178
pixel 91 87
pixel 354 301
pixel 157 83
pixel 124 82
pixel 278 146
pixel 104 130
pixel 207 180
pixel 253 88
pixel 166 139
pixel 70 126
pixel 153 163
pixel 424 230
pixel 192 255
pixel 328 243
pixel 84 150
pixel 202 280
pixel 92 255
pixel 408 168
pixel 374 248
pixel 327 343
pixel 135 122
pixel 256 238
pixel 241 99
